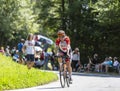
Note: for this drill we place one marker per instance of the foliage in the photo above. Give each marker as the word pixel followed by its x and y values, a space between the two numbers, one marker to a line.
pixel 93 25
pixel 17 20
pixel 49 17
pixel 108 16
pixel 14 75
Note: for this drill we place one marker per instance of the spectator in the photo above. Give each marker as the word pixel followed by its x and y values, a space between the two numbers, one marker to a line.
pixel 116 64
pixel 52 59
pixel 75 59
pixel 38 61
pixel 45 45
pixel 20 46
pixel 29 48
pixel 7 51
pixel 2 51
pixel 13 51
pixel 46 54
pixel 95 61
pixel 16 56
pixel 107 63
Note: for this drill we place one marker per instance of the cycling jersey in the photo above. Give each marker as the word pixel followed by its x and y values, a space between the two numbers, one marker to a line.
pixel 63 45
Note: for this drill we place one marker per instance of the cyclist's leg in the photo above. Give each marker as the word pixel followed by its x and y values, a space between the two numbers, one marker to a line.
pixel 60 63
pixel 68 63
pixel 60 53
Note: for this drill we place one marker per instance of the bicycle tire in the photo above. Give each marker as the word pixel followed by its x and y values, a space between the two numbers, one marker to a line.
pixel 119 69
pixel 67 79
pixel 62 78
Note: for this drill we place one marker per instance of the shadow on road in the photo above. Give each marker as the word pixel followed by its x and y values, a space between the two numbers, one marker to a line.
pixel 49 88
pixel 96 75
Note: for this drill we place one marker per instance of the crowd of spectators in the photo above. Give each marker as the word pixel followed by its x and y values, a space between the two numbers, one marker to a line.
pixel 102 65
pixel 43 58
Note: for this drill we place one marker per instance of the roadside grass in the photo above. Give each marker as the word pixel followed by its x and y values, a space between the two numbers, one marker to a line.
pixel 14 75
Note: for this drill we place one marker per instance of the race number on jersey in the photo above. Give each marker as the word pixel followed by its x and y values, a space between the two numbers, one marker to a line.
pixel 63 46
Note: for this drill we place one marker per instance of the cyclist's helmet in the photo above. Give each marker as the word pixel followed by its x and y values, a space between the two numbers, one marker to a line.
pixel 61 33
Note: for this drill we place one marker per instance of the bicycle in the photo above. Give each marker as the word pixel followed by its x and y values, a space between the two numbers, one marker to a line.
pixel 63 73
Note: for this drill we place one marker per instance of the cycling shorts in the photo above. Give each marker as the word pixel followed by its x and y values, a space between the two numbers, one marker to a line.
pixel 61 53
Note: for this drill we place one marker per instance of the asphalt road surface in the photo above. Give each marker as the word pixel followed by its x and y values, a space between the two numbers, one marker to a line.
pixel 82 82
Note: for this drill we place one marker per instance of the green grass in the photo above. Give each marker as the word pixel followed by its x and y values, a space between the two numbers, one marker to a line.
pixel 14 75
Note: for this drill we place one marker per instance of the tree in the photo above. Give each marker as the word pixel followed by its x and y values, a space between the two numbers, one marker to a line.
pixel 48 16
pixel 108 16
pixel 17 20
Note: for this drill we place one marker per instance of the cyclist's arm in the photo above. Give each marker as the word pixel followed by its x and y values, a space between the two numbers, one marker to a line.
pixel 67 39
pixel 57 45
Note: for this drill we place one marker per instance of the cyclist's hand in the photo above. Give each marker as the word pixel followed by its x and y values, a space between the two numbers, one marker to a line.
pixel 68 53
pixel 60 54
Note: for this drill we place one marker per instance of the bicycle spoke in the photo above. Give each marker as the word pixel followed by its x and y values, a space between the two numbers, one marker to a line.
pixel 62 78
pixel 67 79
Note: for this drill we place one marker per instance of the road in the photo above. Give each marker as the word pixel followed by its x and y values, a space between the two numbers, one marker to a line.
pixel 82 82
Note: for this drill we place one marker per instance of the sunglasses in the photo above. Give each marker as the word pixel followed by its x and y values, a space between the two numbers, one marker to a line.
pixel 60 35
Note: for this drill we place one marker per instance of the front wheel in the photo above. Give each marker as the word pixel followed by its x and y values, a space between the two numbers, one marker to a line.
pixel 62 77
pixel 67 79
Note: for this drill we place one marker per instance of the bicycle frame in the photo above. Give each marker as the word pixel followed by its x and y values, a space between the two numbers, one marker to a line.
pixel 64 76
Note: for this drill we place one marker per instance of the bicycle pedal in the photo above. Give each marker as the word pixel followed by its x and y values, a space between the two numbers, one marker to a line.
pixel 67 76
pixel 61 72
pixel 70 82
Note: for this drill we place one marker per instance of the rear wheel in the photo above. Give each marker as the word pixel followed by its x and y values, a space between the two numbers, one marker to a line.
pixel 119 69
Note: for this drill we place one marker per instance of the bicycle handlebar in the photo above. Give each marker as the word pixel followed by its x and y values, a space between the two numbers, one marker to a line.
pixel 64 56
